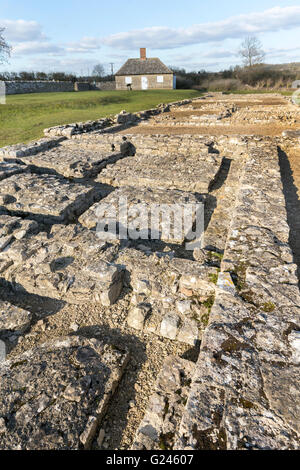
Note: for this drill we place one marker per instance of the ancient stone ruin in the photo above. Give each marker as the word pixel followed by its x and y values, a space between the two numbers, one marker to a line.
pixel 142 343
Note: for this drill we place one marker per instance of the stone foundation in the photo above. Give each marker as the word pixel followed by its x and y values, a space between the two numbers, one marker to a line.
pixel 213 333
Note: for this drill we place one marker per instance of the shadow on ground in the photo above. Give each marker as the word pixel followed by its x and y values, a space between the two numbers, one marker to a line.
pixel 292 204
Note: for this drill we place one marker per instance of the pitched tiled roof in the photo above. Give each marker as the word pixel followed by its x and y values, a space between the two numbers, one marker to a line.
pixel 143 67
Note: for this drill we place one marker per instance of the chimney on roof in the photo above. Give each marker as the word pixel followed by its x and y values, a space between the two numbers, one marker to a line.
pixel 143 53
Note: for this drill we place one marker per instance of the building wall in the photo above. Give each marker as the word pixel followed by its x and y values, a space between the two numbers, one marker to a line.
pixel 153 84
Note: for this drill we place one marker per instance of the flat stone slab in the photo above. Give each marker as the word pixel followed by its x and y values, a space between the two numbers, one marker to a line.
pixel 142 207
pixel 23 150
pixel 54 397
pixel 71 263
pixel 158 429
pixel 71 159
pixel 154 145
pixel 46 198
pixel 9 169
pixel 171 296
pixel 13 318
pixel 182 172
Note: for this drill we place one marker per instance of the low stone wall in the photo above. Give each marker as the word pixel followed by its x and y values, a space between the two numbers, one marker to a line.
pixel 16 88
pixel 243 393
pixel 122 121
pixel 82 86
pixel 104 86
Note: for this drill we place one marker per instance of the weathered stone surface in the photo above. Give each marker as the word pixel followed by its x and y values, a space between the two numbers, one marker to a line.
pixel 54 396
pixel 71 263
pixel 182 172
pixel 12 229
pixel 152 145
pixel 71 159
pixel 169 326
pixel 243 393
pixel 189 332
pixel 157 280
pixel 137 316
pixel 13 318
pixel 138 206
pixel 15 228
pixel 69 130
pixel 10 169
pixel 48 198
pixel 124 118
pixel 160 424
pixel 23 150
pixel 242 371
pixel 2 358
pixel 225 283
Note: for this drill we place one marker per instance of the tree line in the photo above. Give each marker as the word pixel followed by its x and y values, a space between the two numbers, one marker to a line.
pixel 253 73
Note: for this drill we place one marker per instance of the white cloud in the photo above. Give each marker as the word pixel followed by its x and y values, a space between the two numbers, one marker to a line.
pixel 21 30
pixel 161 37
pixel 87 44
pixel 35 47
pixel 221 54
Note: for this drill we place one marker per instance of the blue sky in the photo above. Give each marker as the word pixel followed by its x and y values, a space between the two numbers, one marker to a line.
pixel 66 35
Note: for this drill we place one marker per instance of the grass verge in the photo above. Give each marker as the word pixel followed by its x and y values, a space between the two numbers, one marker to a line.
pixel 24 117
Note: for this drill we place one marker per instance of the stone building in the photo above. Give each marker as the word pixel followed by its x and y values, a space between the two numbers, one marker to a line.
pixel 145 74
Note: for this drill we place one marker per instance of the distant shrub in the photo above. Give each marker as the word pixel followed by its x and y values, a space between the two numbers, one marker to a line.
pixel 223 84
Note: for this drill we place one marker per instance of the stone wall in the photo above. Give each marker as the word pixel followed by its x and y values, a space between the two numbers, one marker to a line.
pixel 242 393
pixel 104 86
pixel 16 88
pixel 21 87
pixel 82 86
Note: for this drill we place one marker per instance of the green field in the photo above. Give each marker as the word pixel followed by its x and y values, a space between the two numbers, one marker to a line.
pixel 24 117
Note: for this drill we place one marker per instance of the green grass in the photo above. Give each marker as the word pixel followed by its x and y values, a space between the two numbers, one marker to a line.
pixel 24 117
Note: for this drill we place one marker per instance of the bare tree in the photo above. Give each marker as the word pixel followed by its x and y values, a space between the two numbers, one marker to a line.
pixel 98 70
pixel 5 49
pixel 251 51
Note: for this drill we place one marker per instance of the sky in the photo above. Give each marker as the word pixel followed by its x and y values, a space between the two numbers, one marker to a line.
pixel 73 35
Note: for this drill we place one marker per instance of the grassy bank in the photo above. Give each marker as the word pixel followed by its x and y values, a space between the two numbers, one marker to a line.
pixel 24 117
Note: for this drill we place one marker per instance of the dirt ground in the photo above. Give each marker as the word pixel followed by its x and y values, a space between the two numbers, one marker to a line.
pixel 258 129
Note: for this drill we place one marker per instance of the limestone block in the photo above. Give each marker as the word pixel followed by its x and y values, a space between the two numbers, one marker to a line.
pixel 137 316
pixel 48 198
pixel 14 318
pixel 141 208
pixel 71 263
pixel 189 332
pixel 2 358
pixel 169 326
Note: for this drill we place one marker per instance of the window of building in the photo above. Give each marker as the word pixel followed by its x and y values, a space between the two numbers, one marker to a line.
pixel 128 80
pixel 160 79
